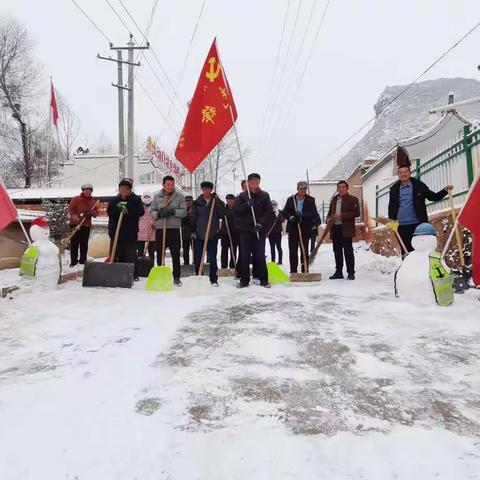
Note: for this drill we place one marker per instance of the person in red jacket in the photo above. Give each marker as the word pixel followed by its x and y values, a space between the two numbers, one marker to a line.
pixel 81 210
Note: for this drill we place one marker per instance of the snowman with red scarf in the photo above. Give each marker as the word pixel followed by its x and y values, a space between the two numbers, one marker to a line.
pixel 47 269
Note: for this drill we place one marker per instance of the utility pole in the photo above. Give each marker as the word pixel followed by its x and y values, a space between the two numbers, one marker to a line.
pixel 125 168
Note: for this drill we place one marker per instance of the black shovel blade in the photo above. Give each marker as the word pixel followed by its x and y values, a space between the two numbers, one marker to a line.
pixel 111 275
pixel 144 265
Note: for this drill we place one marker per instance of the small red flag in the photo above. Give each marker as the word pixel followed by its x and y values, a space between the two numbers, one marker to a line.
pixel 209 116
pixel 53 104
pixel 8 212
pixel 470 218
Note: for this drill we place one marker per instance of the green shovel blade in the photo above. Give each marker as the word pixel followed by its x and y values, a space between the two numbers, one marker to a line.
pixel 160 279
pixel 275 274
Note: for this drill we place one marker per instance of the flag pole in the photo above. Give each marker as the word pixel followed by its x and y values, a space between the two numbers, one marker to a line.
pixel 236 134
pixel 455 225
pixel 49 134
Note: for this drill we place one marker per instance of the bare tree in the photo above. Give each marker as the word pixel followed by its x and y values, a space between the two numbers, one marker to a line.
pixel 19 77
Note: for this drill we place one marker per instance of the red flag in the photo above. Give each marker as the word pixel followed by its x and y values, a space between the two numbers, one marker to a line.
pixel 470 218
pixel 209 116
pixel 53 104
pixel 8 212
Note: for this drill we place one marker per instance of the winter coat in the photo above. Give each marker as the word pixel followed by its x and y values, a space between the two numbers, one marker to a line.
pixel 309 218
pixel 263 212
pixel 350 211
pixel 129 228
pixel 78 207
pixel 420 193
pixel 200 214
pixel 186 230
pixel 176 201
pixel 146 226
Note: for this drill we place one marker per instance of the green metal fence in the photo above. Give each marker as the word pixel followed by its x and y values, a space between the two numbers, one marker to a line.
pixel 452 165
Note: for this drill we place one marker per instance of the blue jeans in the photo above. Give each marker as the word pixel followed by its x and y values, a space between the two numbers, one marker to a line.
pixel 211 257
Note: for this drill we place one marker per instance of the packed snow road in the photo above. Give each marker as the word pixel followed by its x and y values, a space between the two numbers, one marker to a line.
pixel 330 381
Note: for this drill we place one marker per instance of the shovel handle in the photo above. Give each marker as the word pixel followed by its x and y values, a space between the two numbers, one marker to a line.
pixel 232 252
pixel 115 240
pixel 207 234
pixel 164 231
pixel 457 233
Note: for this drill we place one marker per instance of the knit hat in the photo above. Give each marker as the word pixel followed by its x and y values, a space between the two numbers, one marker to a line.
pixel 188 197
pixel 302 184
pixel 87 185
pixel 230 196
pixel 40 222
pixel 206 185
pixel 129 180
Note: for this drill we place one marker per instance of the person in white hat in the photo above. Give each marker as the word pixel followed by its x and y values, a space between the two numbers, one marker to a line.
pixel 81 209
pixel 146 228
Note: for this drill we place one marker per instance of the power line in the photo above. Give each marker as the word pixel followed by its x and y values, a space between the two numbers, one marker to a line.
pixel 282 73
pixel 410 85
pixel 302 75
pixel 153 52
pixel 92 22
pixel 144 55
pixel 270 90
pixel 187 55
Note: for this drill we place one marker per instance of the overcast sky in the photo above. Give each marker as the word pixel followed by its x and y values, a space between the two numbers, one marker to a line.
pixel 362 47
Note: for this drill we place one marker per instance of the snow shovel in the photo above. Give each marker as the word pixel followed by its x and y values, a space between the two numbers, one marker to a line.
pixel 276 275
pixel 462 277
pixel 109 274
pixel 306 276
pixel 200 284
pixel 229 272
pixel 160 279
pixel 145 262
pixel 393 226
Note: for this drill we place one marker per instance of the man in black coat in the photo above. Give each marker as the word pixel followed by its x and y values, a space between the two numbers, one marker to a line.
pixel 228 225
pixel 407 203
pixel 275 237
pixel 132 207
pixel 186 232
pixel 253 229
pixel 300 209
pixel 200 215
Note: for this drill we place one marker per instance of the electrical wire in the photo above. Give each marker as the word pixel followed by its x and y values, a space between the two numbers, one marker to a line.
pixel 92 22
pixel 410 85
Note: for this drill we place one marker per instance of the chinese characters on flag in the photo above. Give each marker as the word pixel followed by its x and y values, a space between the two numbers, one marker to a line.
pixel 209 116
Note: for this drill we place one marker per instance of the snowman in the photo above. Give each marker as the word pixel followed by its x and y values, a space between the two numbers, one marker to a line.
pixel 421 278
pixel 47 269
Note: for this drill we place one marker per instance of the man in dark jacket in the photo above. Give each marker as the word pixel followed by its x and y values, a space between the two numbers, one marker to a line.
pixel 344 208
pixel 201 209
pixel 253 229
pixel 228 224
pixel 275 237
pixel 132 207
pixel 407 203
pixel 186 232
pixel 300 209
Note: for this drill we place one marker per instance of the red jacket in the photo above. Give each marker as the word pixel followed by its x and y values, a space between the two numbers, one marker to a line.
pixel 82 207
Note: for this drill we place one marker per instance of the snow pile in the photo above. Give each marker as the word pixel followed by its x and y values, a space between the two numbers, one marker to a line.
pixel 321 381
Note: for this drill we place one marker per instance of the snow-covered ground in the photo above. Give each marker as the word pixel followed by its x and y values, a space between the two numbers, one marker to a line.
pixel 337 380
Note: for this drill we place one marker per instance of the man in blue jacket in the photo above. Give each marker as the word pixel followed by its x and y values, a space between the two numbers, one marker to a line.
pixel 407 200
